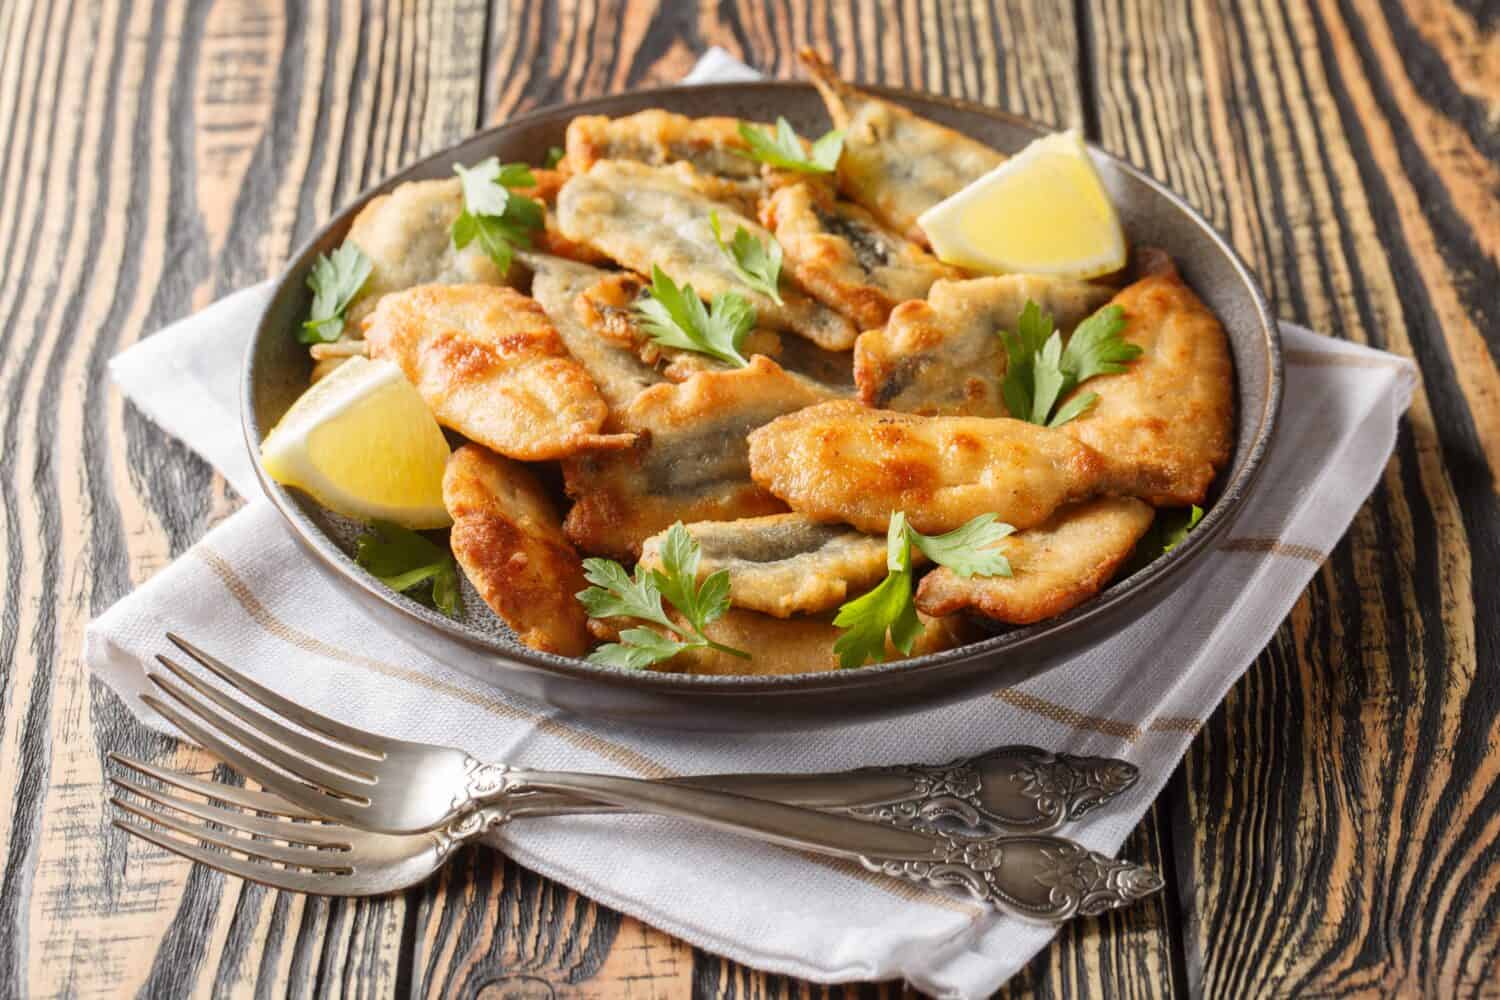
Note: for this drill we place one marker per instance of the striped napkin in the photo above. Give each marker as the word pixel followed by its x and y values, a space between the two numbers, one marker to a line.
pixel 248 590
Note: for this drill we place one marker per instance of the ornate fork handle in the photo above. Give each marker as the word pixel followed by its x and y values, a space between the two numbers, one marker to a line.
pixel 1038 877
pixel 1033 876
pixel 1012 789
pixel 1015 788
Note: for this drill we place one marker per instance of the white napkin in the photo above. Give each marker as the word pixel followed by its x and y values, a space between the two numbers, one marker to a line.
pixel 248 590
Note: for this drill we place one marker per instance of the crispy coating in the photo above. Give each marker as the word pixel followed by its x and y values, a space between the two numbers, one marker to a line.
pixel 944 356
pixel 406 236
pixel 1166 425
pixel 844 258
pixel 895 163
pixel 642 215
pixel 508 540
pixel 491 366
pixel 550 239
pixel 689 462
pixel 1056 565
pixel 783 564
pixel 799 645
pixel 656 137
pixel 556 285
pixel 841 461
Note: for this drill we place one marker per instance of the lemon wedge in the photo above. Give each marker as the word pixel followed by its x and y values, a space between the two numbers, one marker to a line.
pixel 363 443
pixel 1043 211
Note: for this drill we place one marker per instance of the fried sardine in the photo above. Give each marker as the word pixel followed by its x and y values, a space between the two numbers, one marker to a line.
pixel 783 564
pixel 844 258
pixel 656 137
pixel 406 235
pixel 1164 426
pixel 618 372
pixel 944 356
pixel 491 366
pixel 509 541
pixel 643 216
pixel 690 460
pixel 896 163
pixel 1055 566
pixel 841 461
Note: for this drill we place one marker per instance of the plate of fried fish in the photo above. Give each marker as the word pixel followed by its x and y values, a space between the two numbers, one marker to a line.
pixel 748 405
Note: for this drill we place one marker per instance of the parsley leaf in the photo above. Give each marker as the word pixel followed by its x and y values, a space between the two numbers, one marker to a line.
pixel 1168 530
pixel 676 317
pixel 887 608
pixel 1040 370
pixel 554 156
pixel 1175 526
pixel 335 279
pixel 967 550
pixel 403 560
pixel 783 148
pixel 616 594
pixel 758 264
pixel 495 215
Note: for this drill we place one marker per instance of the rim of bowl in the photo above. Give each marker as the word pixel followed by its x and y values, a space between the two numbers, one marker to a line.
pixel 1152 578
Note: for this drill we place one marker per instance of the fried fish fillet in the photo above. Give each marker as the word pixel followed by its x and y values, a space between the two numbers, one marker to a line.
pixel 783 564
pixel 799 645
pixel 491 366
pixel 642 216
pixel 689 462
pixel 508 540
pixel 550 239
pixel 896 163
pixel 844 258
pixel 1166 425
pixel 841 461
pixel 618 373
pixel 656 137
pixel 944 356
pixel 406 236
pixel 1056 565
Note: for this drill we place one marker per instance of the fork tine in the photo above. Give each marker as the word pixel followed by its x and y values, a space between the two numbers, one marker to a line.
pixel 297 833
pixel 309 771
pixel 326 753
pixel 257 850
pixel 357 739
pixel 246 798
pixel 322 884
pixel 233 755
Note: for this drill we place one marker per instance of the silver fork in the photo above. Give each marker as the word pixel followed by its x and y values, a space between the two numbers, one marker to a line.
pixel 261 837
pixel 342 773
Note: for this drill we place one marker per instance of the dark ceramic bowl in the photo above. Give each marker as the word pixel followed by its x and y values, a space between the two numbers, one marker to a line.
pixel 277 368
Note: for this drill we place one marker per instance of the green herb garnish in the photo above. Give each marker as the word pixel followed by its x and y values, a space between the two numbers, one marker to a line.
pixel 1040 370
pixel 783 148
pixel 1167 531
pixel 676 317
pixel 967 550
pixel 404 560
pixel 554 157
pixel 616 594
pixel 758 264
pixel 493 213
pixel 335 280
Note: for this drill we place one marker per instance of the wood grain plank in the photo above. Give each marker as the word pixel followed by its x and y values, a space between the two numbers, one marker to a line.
pixel 158 156
pixel 1337 817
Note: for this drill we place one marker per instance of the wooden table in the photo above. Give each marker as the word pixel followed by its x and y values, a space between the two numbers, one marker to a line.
pixel 1335 828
